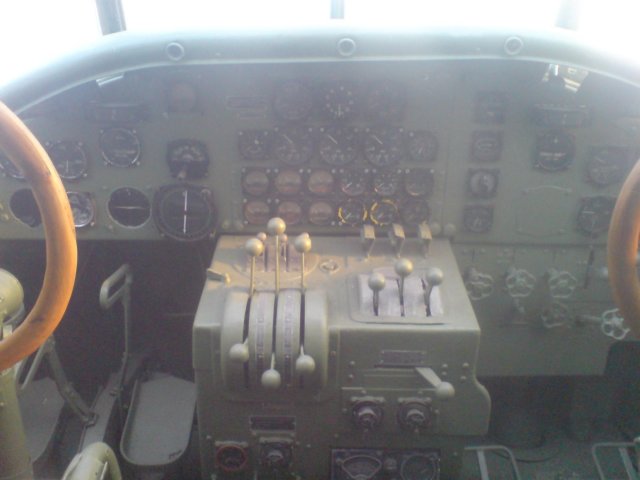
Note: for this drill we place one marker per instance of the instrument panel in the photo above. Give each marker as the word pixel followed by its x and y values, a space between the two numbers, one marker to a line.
pixel 471 148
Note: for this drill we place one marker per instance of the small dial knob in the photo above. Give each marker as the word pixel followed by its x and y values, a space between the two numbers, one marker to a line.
pixel 415 415
pixel 367 415
pixel 276 226
pixel 376 282
pixel 403 267
pixel 254 247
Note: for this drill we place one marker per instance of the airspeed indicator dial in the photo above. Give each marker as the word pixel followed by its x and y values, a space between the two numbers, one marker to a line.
pixel 69 158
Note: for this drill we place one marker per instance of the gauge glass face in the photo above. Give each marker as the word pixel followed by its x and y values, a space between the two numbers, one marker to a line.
pixel 120 147
pixel 8 168
pixel 129 207
pixel 288 182
pixel 338 146
pixel 385 101
pixel 82 207
pixel 419 182
pixel 293 101
pixel 69 158
pixel 419 467
pixel 422 146
pixel 384 147
pixel 353 183
pixel 321 182
pixel 338 101
pixel 321 213
pixel 486 146
pixel 554 151
pixel 478 218
pixel 415 212
pixel 257 212
pixel 187 159
pixel 361 467
pixel 255 182
pixel 482 183
pixel 184 212
pixel 384 213
pixel 386 182
pixel 293 146
pixel 352 212
pixel 24 207
pixel 254 144
pixel 608 165
pixel 290 212
pixel 595 214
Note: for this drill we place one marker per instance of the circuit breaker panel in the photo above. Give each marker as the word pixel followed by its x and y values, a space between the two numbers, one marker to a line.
pixel 335 357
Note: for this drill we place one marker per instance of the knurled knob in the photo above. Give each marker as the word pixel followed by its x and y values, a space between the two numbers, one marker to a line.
pixel 254 247
pixel 376 282
pixel 276 226
pixel 403 267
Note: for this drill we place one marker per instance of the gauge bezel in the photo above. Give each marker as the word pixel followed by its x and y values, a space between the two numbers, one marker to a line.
pixel 352 201
pixel 203 193
pixel 339 141
pixel 541 161
pixel 384 203
pixel 90 202
pixel 297 148
pixel 247 202
pixel 131 161
pixel 79 146
pixel 263 139
pixel 384 146
pixel 193 170
pixel 119 223
pixel 430 153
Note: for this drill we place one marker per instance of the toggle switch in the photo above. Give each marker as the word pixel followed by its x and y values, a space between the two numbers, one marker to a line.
pixel 376 283
pixel 254 248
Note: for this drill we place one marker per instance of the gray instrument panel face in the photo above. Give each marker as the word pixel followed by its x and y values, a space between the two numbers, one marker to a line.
pixel 488 149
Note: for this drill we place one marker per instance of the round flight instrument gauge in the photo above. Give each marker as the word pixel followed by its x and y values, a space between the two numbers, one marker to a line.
pixel 184 212
pixel 385 101
pixel 254 144
pixel 608 165
pixel 293 101
pixel 69 158
pixel 293 146
pixel 83 209
pixel 290 212
pixel 361 467
pixel 384 212
pixel 187 159
pixel 416 211
pixel 338 100
pixel 338 146
pixel 352 212
pixel 255 182
pixel 24 207
pixel 288 182
pixel 595 214
pixel 554 151
pixel 386 182
pixel 353 183
pixel 419 182
pixel 422 146
pixel 321 213
pixel 8 168
pixel 129 207
pixel 321 182
pixel 482 183
pixel 419 467
pixel 478 218
pixel 120 147
pixel 384 147
pixel 257 212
